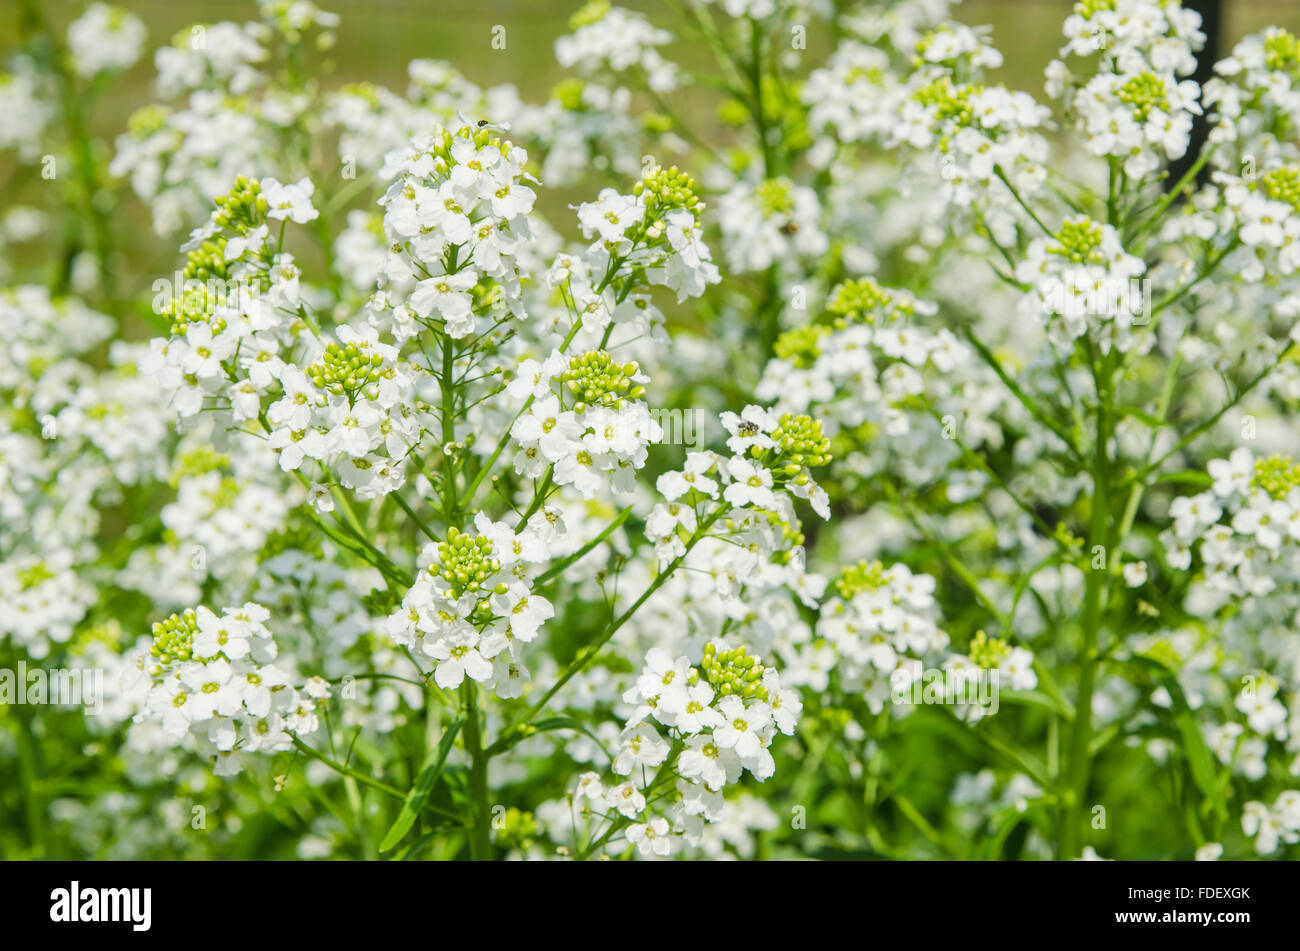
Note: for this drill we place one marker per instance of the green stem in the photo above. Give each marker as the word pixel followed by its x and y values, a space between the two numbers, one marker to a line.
pixel 539 498
pixel 363 778
pixel 30 782
pixel 1150 468
pixel 1027 401
pixel 559 566
pixel 71 102
pixel 665 771
pixel 447 383
pixel 1096 585
pixel 480 810
pixel 1172 195
pixel 349 771
pixel 761 125
pixel 587 653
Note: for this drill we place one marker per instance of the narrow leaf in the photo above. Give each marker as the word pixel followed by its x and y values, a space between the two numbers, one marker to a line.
pixel 424 783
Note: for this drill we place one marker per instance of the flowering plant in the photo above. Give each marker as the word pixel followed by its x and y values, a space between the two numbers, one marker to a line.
pixel 897 469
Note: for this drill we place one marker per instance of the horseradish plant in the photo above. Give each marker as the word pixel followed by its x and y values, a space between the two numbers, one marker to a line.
pixel 822 451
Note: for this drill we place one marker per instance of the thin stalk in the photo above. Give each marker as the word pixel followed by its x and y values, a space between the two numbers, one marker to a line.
pixel 30 781
pixel 480 810
pixel 1096 585
pixel 589 652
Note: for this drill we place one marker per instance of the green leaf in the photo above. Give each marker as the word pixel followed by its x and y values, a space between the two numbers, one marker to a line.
pixel 1188 477
pixel 1152 422
pixel 414 850
pixel 1004 824
pixel 1200 761
pixel 1035 698
pixel 424 783
pixel 567 723
pixel 543 726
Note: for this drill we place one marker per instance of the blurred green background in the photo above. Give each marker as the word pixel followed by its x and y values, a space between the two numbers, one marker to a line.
pixel 377 38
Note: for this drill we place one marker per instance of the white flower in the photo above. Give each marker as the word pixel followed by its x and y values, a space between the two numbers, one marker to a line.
pixel 625 798
pixel 751 428
pixel 219 635
pixel 1232 476
pixel 742 725
pixel 673 485
pixel 104 38
pixel 640 746
pixel 753 485
pixel 661 672
pixel 651 838
pixel 447 296
pixel 690 708
pixel 611 215
pixel 289 201
pixel 320 498
pixel 457 655
pixel 1135 573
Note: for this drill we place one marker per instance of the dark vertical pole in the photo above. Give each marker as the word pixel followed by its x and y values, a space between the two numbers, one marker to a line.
pixel 1211 12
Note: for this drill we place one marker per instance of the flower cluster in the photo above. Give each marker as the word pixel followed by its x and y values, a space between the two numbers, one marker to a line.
pixel 1081 277
pixel 979 139
pixel 213 679
pixel 1267 213
pixel 73 437
pixel 472 608
pixel 454 216
pixel 104 39
pixel 876 618
pixel 606 37
pixel 591 428
pixel 868 328
pixel 1246 530
pixel 473 459
pixel 231 306
pixel 1261 498
pixel 351 411
pixel 655 231
pixel 775 221
pixel 1270 826
pixel 720 720
pixel 771 456
pixel 234 118
pixel 1135 108
pixel 1254 88
pixel 880 623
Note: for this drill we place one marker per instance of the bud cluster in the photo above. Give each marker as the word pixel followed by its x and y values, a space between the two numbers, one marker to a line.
pixel 173 639
pixel 988 652
pixel 734 672
pixel 864 576
pixel 667 190
pixel 347 369
pixel 802 346
pixel 1079 241
pixel 1283 184
pixel 801 443
pixel 243 209
pixel 465 561
pixel 865 301
pixel 1276 475
pixel 597 380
